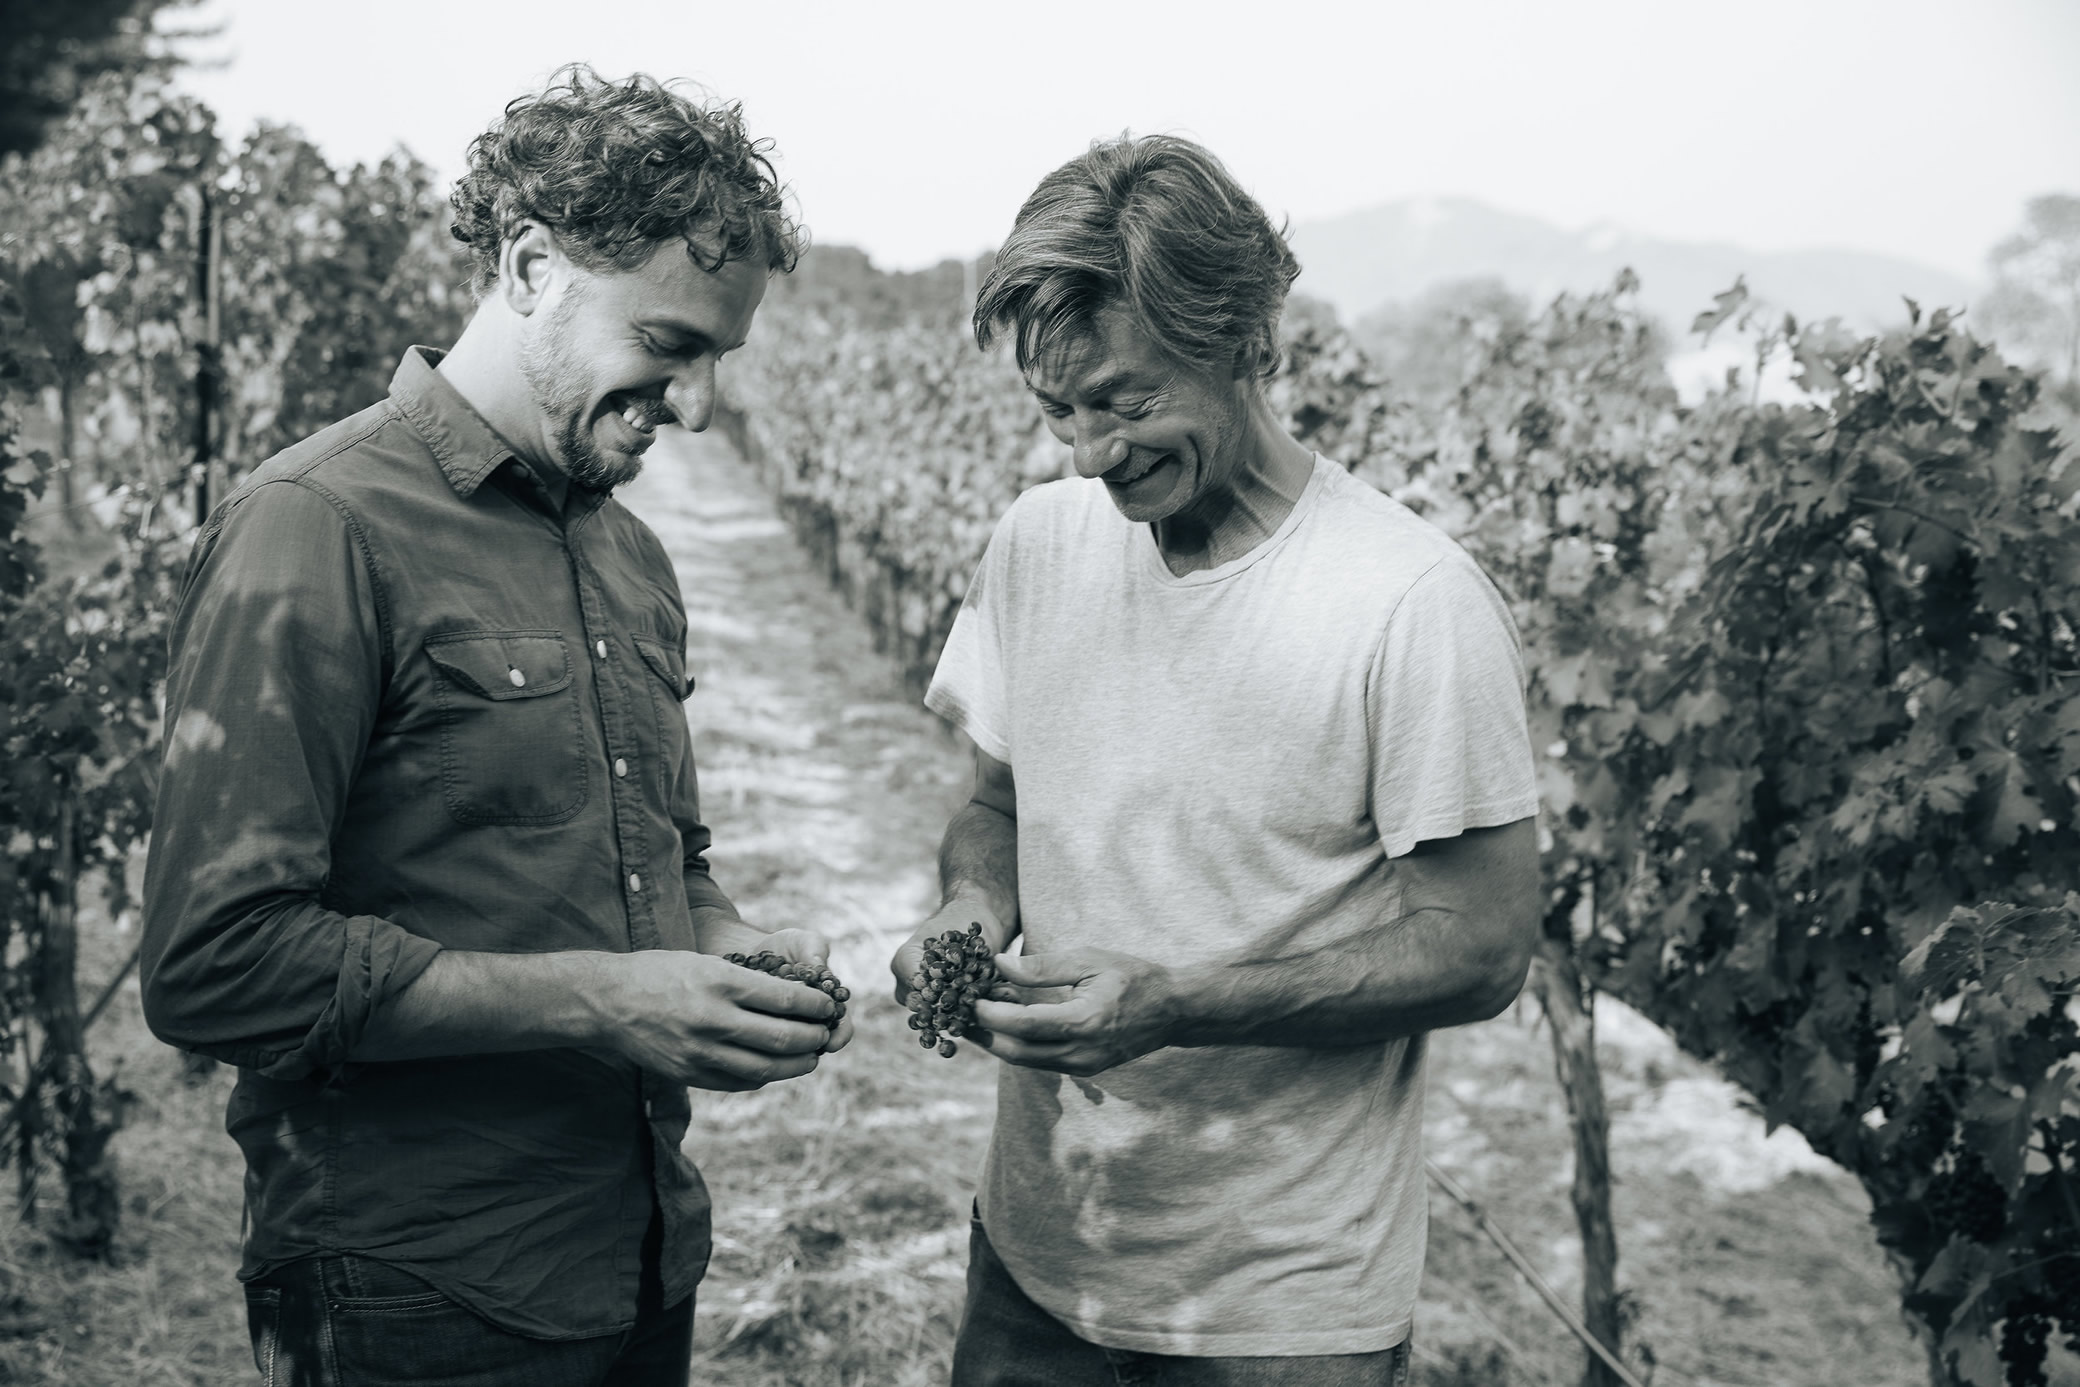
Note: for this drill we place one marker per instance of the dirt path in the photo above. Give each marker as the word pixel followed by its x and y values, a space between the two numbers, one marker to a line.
pixel 826 785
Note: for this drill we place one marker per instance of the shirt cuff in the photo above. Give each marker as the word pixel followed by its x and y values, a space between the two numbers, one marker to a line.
pixel 378 960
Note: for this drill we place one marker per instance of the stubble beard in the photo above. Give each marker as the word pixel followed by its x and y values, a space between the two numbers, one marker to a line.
pixel 557 380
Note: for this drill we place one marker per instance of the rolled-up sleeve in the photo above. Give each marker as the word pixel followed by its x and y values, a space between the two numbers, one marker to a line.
pixel 278 663
pixel 703 892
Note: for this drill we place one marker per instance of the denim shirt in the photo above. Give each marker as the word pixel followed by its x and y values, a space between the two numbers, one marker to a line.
pixel 411 707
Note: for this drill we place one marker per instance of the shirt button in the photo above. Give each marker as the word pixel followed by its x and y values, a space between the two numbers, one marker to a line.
pixel 518 678
pixel 600 649
pixel 620 766
pixel 635 881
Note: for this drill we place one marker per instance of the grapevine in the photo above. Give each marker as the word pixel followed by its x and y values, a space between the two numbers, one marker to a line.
pixel 958 970
pixel 814 975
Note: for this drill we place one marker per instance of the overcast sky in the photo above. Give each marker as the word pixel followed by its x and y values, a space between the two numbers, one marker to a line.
pixel 913 128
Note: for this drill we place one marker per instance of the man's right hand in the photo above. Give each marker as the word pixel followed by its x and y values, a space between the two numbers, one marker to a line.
pixel 710 1024
pixel 956 915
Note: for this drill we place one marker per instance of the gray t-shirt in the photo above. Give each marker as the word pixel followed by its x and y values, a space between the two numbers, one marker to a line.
pixel 1210 766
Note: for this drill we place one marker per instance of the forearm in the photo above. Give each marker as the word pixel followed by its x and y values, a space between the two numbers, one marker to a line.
pixel 1426 971
pixel 722 931
pixel 978 862
pixel 487 1003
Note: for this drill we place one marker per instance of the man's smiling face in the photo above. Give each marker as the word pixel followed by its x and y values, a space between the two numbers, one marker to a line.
pixel 612 355
pixel 1164 436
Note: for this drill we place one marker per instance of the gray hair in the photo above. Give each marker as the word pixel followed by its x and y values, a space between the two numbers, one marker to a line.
pixel 1157 227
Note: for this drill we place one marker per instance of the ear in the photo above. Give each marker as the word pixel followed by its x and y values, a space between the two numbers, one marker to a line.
pixel 528 263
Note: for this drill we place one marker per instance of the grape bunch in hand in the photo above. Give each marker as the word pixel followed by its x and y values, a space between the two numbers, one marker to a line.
pixel 958 970
pixel 812 974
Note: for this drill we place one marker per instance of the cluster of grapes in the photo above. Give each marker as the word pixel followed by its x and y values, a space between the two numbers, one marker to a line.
pixel 958 970
pixel 811 974
pixel 2028 1319
pixel 2025 1343
pixel 1968 1199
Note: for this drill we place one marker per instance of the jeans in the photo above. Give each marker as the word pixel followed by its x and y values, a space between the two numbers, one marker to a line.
pixel 341 1321
pixel 1007 1341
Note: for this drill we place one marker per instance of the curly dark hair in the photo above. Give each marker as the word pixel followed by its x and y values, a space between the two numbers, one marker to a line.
pixel 613 168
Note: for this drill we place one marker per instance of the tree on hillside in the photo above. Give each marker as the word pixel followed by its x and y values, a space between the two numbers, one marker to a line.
pixel 2034 306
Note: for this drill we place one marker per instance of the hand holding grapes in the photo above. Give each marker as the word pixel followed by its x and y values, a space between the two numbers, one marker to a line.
pixel 955 916
pixel 1117 1008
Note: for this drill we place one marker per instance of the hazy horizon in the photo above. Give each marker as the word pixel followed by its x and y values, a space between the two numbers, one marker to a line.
pixel 913 129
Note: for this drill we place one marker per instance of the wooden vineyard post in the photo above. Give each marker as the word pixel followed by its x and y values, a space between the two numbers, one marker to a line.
pixel 208 364
pixel 1558 985
pixel 83 1132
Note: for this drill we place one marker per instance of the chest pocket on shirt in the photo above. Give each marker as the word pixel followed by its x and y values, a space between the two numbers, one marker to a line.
pixel 512 734
pixel 670 689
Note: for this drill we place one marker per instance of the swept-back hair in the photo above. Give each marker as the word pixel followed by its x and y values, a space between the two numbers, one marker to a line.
pixel 1155 226
pixel 614 168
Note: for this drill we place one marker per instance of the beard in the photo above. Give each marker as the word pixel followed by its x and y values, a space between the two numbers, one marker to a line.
pixel 556 377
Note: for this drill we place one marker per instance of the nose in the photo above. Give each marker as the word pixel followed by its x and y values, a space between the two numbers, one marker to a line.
pixel 1096 452
pixel 692 395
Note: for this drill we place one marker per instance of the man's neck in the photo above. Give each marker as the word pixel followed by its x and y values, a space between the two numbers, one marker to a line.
pixel 484 368
pixel 1236 518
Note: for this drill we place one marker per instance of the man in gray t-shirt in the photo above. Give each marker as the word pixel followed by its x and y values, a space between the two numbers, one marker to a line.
pixel 1255 793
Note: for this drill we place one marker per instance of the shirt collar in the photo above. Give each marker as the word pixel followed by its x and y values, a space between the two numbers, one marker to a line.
pixel 467 448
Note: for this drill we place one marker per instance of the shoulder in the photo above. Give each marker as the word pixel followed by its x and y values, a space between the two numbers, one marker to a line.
pixel 326 458
pixel 304 496
pixel 1377 545
pixel 1052 511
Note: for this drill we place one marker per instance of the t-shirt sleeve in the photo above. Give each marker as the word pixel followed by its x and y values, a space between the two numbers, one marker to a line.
pixel 1451 749
pixel 970 687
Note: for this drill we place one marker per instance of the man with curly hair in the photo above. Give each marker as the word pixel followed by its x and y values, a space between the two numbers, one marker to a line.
pixel 429 865
pixel 1254 788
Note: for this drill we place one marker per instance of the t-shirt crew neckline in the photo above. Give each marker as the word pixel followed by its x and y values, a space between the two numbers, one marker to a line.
pixel 1159 572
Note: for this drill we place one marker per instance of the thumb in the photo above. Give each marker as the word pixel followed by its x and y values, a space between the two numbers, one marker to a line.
pixel 806 946
pixel 1041 970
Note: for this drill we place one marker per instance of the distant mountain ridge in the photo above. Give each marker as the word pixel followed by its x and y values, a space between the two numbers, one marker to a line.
pixel 1361 260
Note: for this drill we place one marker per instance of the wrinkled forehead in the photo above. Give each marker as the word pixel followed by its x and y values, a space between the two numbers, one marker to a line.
pixel 1083 354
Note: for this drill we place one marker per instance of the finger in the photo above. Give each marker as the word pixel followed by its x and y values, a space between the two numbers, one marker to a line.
pixel 907 961
pixel 729 1069
pixel 771 1036
pixel 807 946
pixel 717 1081
pixel 785 997
pixel 1043 970
pixel 1048 1021
pixel 762 1068
pixel 1031 1055
pixel 839 1038
pixel 1028 996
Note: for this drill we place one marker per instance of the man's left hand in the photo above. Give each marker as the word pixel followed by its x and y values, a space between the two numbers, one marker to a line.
pixel 1115 1008
pixel 807 946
